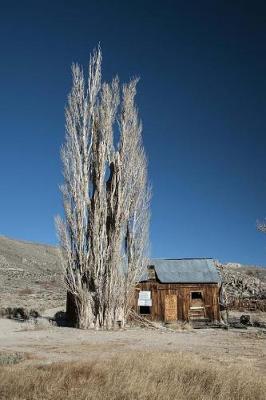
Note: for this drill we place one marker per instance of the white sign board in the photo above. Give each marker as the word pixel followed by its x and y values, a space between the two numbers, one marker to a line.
pixel 144 295
pixel 146 303
pixel 144 298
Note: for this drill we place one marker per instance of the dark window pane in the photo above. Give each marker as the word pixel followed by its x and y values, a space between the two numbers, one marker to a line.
pixel 196 295
pixel 144 310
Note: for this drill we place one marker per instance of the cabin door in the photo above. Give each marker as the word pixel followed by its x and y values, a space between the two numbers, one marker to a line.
pixel 170 308
pixel 197 306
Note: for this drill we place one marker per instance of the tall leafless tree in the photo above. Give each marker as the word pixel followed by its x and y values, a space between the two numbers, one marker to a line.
pixel 106 195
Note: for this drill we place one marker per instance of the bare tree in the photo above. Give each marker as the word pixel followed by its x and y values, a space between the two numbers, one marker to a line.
pixel 261 226
pixel 106 195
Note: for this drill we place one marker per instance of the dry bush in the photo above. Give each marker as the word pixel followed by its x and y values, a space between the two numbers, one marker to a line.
pixel 184 326
pixel 10 358
pixel 143 376
pixel 24 292
pixel 18 313
pixel 49 284
pixel 35 325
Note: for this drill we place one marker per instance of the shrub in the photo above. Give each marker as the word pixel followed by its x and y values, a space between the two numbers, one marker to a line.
pixel 10 358
pixel 37 324
pixel 24 292
pixel 18 313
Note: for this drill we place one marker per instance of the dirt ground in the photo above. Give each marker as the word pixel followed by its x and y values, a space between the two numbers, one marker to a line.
pixel 45 343
pixel 31 277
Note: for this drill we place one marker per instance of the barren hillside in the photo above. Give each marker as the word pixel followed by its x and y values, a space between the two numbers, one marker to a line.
pixel 244 284
pixel 30 275
pixel 250 270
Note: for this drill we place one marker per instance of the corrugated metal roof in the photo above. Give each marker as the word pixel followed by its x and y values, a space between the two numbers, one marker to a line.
pixel 186 270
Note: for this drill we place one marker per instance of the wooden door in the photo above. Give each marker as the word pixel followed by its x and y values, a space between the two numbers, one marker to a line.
pixel 170 308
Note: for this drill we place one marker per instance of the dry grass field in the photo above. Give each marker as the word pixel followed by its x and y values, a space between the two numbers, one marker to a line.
pixel 142 376
pixel 48 362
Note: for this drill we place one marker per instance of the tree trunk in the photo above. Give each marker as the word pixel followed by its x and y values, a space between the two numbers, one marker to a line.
pixel 78 313
pixel 71 310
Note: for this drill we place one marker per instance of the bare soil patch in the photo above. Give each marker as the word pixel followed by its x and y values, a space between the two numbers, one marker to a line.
pixel 53 344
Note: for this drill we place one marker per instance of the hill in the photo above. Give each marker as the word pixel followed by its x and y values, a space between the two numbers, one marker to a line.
pixel 245 285
pixel 31 276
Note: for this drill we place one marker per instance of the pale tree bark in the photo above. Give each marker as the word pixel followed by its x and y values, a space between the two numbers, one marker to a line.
pixel 106 196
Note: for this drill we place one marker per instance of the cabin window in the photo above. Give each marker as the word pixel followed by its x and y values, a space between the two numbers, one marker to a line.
pixel 196 295
pixel 144 310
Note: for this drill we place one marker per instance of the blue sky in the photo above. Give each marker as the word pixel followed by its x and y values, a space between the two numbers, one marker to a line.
pixel 202 99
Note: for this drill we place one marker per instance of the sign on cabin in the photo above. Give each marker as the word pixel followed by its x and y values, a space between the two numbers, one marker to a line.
pixel 170 307
pixel 144 298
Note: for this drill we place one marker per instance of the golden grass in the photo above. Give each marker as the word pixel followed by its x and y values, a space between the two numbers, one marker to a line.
pixel 145 376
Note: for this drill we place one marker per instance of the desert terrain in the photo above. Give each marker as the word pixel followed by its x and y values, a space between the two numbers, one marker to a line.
pixel 30 350
pixel 46 343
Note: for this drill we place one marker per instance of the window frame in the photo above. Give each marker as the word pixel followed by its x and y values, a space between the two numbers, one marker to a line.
pixel 197 298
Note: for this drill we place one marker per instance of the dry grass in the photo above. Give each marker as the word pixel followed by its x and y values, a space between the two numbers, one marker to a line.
pixel 25 292
pixel 184 326
pixel 145 376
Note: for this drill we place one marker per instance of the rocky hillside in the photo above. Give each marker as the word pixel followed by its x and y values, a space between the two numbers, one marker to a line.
pixel 243 282
pixel 30 275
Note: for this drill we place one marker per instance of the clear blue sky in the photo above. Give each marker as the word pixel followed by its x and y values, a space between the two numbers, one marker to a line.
pixel 202 99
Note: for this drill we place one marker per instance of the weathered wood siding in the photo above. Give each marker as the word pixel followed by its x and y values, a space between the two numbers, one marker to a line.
pixel 210 294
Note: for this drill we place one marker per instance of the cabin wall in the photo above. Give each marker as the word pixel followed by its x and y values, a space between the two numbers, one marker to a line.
pixel 159 291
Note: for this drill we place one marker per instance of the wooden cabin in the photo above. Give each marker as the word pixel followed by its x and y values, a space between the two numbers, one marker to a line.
pixel 179 289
